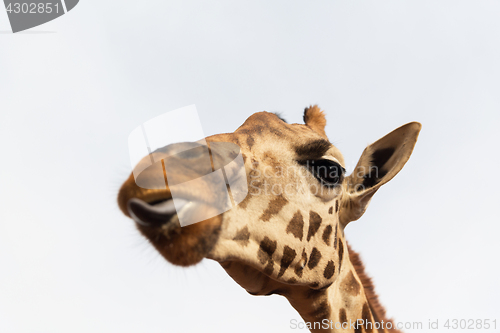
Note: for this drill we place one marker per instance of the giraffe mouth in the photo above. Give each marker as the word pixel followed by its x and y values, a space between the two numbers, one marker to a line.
pixel 161 213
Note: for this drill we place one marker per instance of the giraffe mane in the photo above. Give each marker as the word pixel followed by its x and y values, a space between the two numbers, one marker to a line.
pixel 278 114
pixel 372 297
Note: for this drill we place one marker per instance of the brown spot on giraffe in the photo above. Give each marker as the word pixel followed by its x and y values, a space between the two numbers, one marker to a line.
pixel 302 263
pixel 314 224
pixel 273 208
pixel 322 311
pixel 342 316
pixel 330 210
pixel 314 258
pixel 259 129
pixel 367 319
pixel 269 267
pixel 250 142
pixel 314 285
pixel 335 238
pixel 341 253
pixel 254 185
pixel 326 234
pixel 336 206
pixel 244 203
pixel 275 131
pixel 242 236
pixel 296 226
pixel 350 285
pixel 288 255
pixel 266 250
pixel 329 270
pixel 271 160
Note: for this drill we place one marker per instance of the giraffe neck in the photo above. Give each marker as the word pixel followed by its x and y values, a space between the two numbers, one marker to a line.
pixel 347 305
pixel 350 298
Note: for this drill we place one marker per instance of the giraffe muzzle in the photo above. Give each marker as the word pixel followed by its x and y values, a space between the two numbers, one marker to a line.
pixel 166 214
pixel 156 215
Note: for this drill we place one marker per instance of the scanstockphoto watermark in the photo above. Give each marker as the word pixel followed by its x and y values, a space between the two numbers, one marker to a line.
pixel 430 324
pixel 24 14
pixel 353 325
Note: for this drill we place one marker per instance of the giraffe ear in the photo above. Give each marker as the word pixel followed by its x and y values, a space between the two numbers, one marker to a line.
pixel 315 119
pixel 378 164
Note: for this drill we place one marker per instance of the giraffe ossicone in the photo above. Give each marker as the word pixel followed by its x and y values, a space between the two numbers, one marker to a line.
pixel 287 235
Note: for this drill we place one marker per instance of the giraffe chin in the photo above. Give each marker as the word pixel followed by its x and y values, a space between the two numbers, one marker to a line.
pixel 159 223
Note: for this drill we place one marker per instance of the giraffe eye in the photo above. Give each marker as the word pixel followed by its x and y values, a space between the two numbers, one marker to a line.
pixel 329 173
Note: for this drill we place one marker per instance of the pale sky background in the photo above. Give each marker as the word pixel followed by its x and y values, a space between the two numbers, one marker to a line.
pixel 69 97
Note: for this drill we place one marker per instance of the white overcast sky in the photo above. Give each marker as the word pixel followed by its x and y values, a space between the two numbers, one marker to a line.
pixel 73 89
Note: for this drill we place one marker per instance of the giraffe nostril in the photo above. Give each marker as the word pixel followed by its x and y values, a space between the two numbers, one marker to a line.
pixel 150 215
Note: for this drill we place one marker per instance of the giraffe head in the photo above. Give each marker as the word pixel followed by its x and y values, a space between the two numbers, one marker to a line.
pixel 289 228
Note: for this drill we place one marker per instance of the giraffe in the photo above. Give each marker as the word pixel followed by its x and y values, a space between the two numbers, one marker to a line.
pixel 287 236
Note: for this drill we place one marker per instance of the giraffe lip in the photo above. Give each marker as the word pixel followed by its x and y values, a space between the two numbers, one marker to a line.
pixel 157 214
